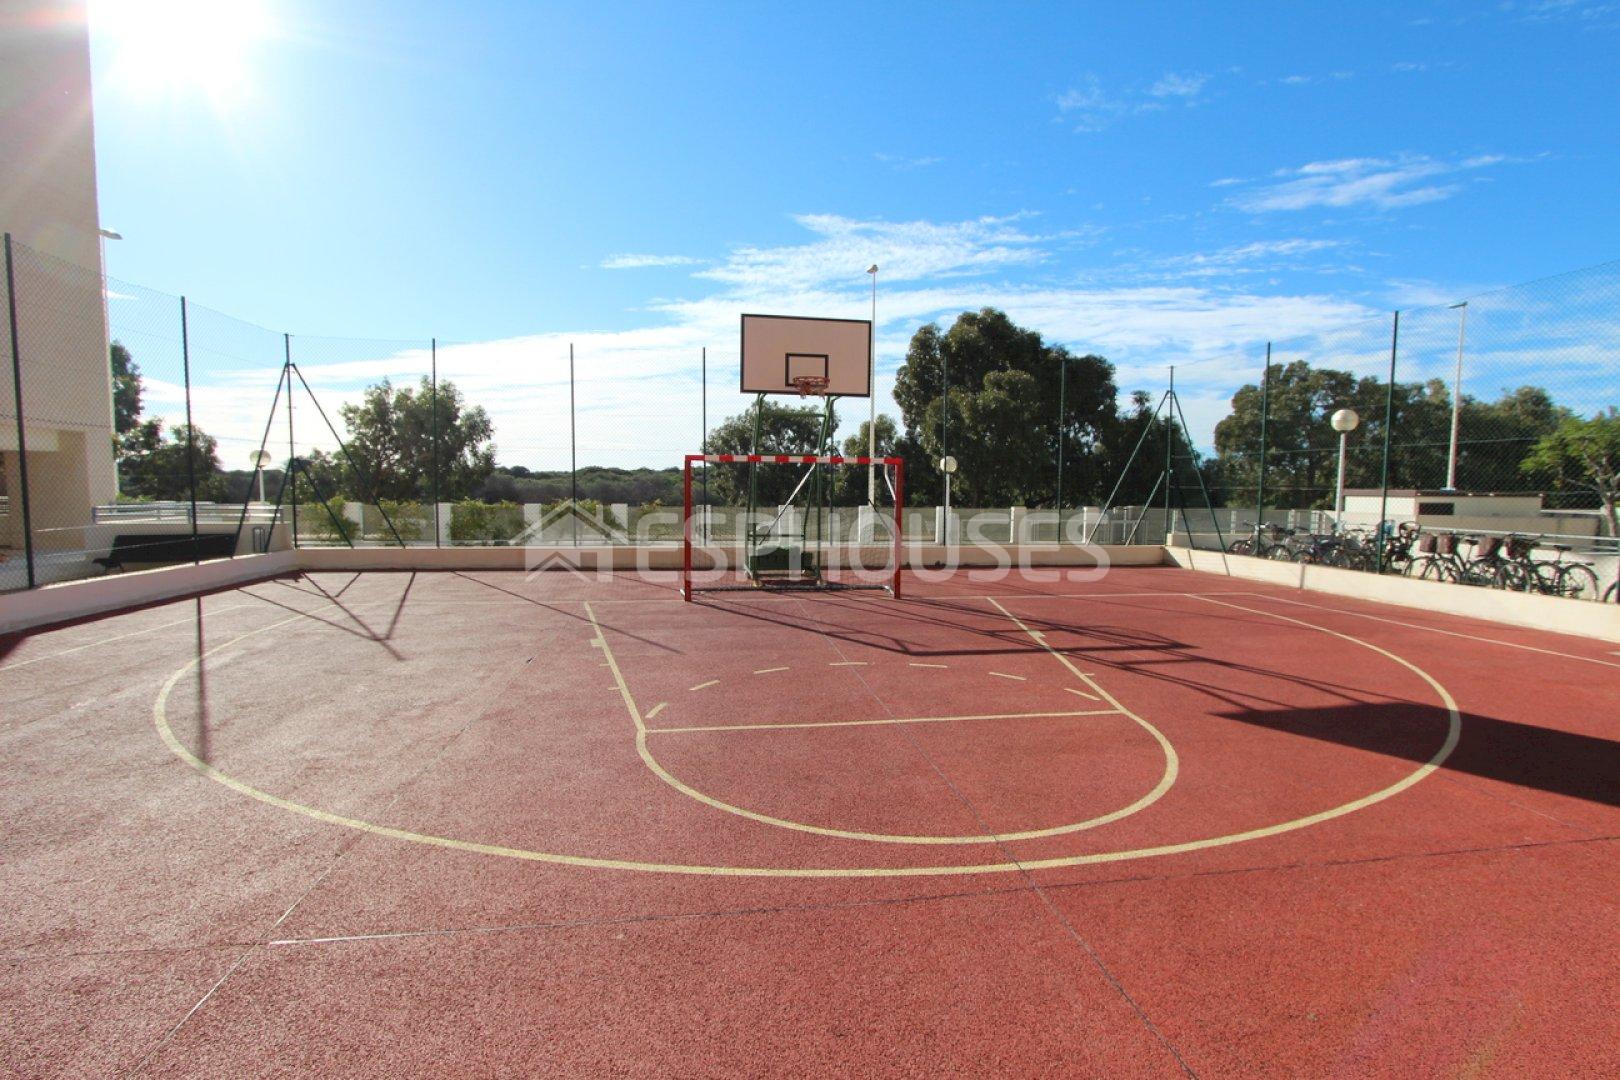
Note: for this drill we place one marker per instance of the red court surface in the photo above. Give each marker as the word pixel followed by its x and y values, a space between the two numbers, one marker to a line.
pixel 1157 824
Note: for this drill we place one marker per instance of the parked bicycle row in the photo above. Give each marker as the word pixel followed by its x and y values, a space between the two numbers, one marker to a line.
pixel 1517 562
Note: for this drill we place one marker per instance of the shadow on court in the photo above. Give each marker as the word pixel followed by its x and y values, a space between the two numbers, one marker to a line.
pixel 1524 755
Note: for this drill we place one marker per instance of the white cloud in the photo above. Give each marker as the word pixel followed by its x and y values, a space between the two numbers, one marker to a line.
pixel 1171 84
pixel 843 247
pixel 1381 183
pixel 642 262
pixel 901 162
pixel 1089 107
pixel 1260 256
pixel 639 391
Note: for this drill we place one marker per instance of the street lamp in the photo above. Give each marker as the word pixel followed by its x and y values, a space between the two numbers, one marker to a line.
pixel 871 400
pixel 260 459
pixel 1344 422
pixel 1456 395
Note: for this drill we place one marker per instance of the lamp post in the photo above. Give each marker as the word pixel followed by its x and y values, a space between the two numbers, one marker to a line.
pixel 1344 422
pixel 260 459
pixel 1456 395
pixel 871 399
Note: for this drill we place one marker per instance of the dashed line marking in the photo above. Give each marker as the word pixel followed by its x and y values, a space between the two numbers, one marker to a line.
pixel 655 710
pixel 1082 693
pixel 1004 675
pixel 848 663
pixel 704 685
pixel 878 723
pixel 914 664
pixel 769 670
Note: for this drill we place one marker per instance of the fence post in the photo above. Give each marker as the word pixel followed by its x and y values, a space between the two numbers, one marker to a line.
pixel 22 438
pixel 1063 386
pixel 191 432
pixel 292 449
pixel 1169 460
pixel 1265 416
pixel 1389 423
pixel 703 515
pixel 433 347
pixel 573 460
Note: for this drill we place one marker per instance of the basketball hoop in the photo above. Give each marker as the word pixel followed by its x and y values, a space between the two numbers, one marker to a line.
pixel 810 384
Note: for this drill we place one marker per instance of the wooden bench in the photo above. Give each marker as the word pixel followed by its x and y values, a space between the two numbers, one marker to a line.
pixel 166 548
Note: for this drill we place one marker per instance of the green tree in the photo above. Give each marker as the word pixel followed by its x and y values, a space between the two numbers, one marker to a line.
pixel 390 436
pixel 1000 417
pixel 784 429
pixel 849 482
pixel 1583 455
pixel 152 467
pixel 126 389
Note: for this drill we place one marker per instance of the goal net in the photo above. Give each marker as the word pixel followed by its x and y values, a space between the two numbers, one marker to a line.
pixel 791 521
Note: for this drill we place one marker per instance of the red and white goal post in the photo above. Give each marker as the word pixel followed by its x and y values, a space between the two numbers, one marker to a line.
pixel 731 552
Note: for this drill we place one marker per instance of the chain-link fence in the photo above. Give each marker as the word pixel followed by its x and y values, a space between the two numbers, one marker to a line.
pixel 153 430
pixel 1487 419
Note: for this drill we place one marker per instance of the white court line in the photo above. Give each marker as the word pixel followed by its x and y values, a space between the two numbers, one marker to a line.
pixel 1082 693
pixel 1437 630
pixel 655 710
pixel 848 663
pixel 704 685
pixel 877 723
pixel 915 664
pixel 769 670
pixel 121 637
pixel 1004 675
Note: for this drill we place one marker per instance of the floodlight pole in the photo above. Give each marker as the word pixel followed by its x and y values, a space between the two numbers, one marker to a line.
pixel 871 395
pixel 1456 395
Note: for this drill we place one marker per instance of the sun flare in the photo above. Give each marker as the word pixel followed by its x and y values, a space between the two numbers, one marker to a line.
pixel 177 47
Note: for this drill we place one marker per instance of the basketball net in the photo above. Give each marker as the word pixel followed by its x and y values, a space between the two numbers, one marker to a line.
pixel 810 384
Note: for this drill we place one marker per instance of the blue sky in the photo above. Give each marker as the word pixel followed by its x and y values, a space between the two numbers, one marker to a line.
pixel 1160 183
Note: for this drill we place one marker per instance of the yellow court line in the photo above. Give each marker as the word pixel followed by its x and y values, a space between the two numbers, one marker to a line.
pixel 704 685
pixel 160 721
pixel 769 670
pixel 656 709
pixel 1004 675
pixel 1430 629
pixel 850 834
pixel 876 723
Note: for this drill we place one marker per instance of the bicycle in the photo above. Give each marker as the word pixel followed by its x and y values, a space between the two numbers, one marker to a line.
pixel 1260 542
pixel 1555 577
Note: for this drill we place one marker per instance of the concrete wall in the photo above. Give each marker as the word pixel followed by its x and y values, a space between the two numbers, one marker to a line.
pixel 1553 613
pixel 48 202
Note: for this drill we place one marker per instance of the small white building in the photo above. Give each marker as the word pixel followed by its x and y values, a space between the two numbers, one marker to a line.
pixel 1486 511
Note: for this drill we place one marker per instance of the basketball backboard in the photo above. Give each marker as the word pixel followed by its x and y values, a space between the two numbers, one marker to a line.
pixel 778 348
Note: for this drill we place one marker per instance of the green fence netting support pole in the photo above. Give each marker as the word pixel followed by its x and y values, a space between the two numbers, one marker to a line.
pixel 370 490
pixel 22 437
pixel 191 432
pixel 703 418
pixel 1389 425
pixel 269 421
pixel 1169 460
pixel 573 444
pixel 1126 471
pixel 1265 416
pixel 292 449
pixel 1209 504
pixel 433 352
pixel 1063 386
